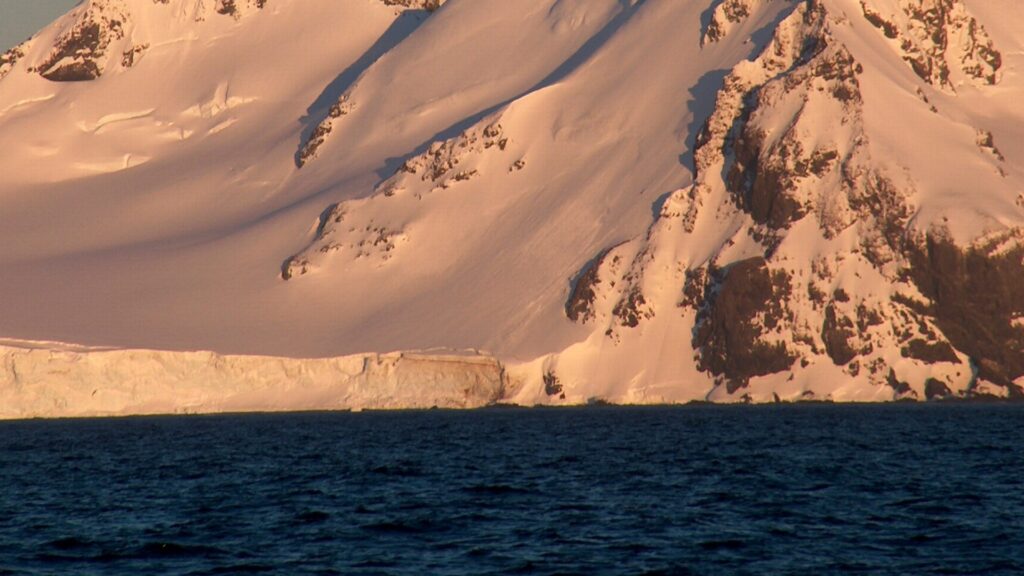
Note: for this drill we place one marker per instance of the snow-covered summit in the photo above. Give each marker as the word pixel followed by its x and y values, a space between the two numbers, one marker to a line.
pixel 102 36
pixel 636 201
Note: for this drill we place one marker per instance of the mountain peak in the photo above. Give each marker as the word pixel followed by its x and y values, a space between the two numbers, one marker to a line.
pixel 737 200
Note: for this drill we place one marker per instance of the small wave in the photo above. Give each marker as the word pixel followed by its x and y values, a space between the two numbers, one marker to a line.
pixel 727 544
pixel 312 517
pixel 398 470
pixel 69 543
pixel 236 569
pixel 158 549
pixel 72 549
pixel 633 548
pixel 375 563
pixel 401 527
pixel 494 489
pixel 674 570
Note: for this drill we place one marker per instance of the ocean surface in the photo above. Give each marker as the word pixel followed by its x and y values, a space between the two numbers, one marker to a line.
pixel 783 489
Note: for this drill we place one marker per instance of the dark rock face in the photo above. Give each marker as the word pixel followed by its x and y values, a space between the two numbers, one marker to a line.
pixel 763 186
pixel 725 15
pixel 976 293
pixel 837 334
pixel 938 37
pixel 899 387
pixel 131 56
pixel 322 130
pixel 580 306
pixel 936 390
pixel 765 176
pixel 930 352
pixel 230 7
pixel 83 44
pixel 631 309
pixel 882 201
pixel 694 288
pixel 428 5
pixel 74 72
pixel 891 30
pixel 552 386
pixel 226 7
pixel 744 306
pixel 9 59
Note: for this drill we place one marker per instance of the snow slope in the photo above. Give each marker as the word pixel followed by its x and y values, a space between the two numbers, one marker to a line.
pixel 631 200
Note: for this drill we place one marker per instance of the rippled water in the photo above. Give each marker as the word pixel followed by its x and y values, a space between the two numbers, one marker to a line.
pixel 799 489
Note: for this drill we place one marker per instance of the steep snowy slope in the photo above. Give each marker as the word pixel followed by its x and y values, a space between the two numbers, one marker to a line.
pixel 845 238
pixel 632 200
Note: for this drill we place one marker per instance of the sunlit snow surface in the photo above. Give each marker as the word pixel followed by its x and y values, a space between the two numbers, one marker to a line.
pixel 157 206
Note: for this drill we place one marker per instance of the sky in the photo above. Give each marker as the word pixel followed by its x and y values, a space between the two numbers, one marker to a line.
pixel 20 19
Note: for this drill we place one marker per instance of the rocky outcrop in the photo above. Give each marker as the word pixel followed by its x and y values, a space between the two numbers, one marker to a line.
pixel 345 104
pixel 362 230
pixel 440 164
pixel 786 159
pixel 740 330
pixel 9 59
pixel 977 299
pixel 371 241
pixel 779 178
pixel 581 306
pixel 105 35
pixel 940 40
pixel 237 8
pixel 81 52
pixel 725 16
pixel 428 5
pixel 319 135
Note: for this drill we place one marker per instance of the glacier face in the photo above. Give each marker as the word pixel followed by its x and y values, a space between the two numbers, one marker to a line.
pixel 54 380
pixel 632 201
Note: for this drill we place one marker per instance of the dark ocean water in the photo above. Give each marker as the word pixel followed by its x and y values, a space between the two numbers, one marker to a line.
pixel 796 489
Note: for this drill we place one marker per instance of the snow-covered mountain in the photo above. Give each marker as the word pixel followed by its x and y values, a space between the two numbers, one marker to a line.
pixel 626 200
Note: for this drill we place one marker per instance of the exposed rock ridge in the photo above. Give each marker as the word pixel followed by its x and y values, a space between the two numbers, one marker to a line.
pixel 319 135
pixel 726 16
pixel 237 8
pixel 80 52
pixel 345 105
pixel 890 306
pixel 101 35
pixel 10 58
pixel 428 5
pixel 940 40
pixel 365 229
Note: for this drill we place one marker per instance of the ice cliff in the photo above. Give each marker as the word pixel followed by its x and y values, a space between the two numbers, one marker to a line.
pixel 61 381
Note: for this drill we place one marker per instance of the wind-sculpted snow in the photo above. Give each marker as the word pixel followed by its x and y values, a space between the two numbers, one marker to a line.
pixel 638 202
pixel 57 381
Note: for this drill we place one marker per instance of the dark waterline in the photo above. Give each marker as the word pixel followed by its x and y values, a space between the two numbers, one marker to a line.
pixel 789 489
